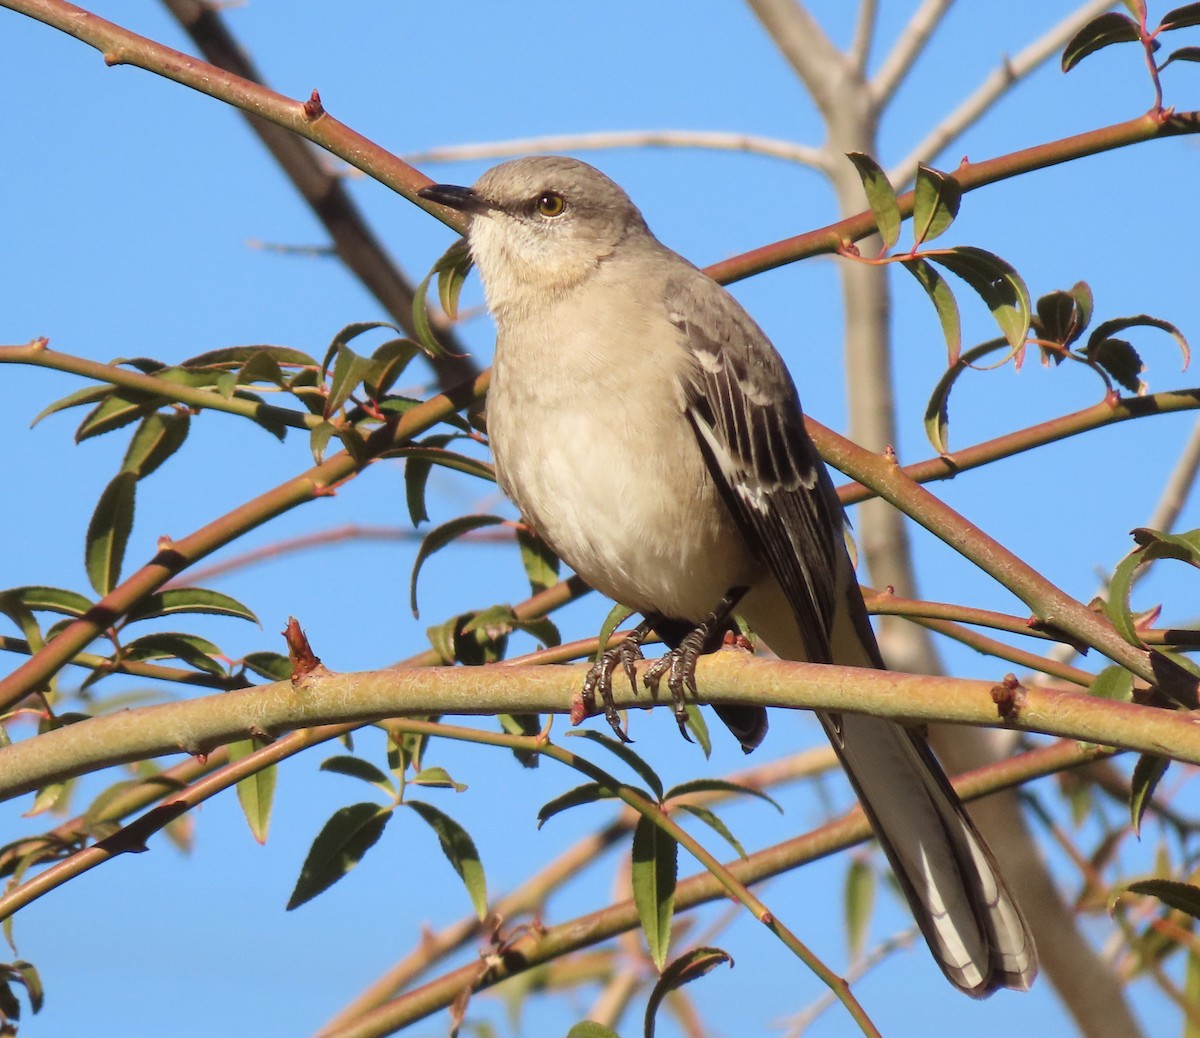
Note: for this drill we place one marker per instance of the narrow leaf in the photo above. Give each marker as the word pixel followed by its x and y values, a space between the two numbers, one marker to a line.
pixel 1113 682
pixel 1181 896
pixel 588 793
pixel 439 537
pixel 692 965
pixel 713 821
pixel 190 600
pixel 1179 17
pixel 356 767
pixel 881 197
pixel 1182 54
pixel 1121 361
pixel 256 792
pixel 622 750
pixel 190 648
pixel 159 436
pixel 270 665
pixel 943 302
pixel 936 199
pixel 1100 32
pixel 350 370
pixel 1146 775
pixel 460 850
pixel 937 411
pixel 538 558
pixel 345 335
pixel 859 901
pixel 1116 603
pixel 455 262
pixel 235 357
pixel 87 395
pixel 655 861
pixel 437 778
pixel 719 786
pixel 591 1029
pixel 108 532
pixel 997 283
pixel 1108 328
pixel 118 409
pixel 340 845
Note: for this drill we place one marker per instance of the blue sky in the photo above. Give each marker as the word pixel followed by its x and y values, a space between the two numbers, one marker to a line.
pixel 130 208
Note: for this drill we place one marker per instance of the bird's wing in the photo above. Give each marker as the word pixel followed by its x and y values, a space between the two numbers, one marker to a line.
pixel 744 408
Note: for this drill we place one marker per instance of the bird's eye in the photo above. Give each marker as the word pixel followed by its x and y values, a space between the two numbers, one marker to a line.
pixel 551 204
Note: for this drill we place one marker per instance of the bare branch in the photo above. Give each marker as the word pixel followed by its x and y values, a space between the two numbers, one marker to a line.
pixel 804 44
pixel 907 49
pixel 995 86
pixel 864 36
pixel 609 139
pixel 353 239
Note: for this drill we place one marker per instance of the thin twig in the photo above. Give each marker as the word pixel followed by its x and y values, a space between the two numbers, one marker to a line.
pixel 998 82
pixel 711 140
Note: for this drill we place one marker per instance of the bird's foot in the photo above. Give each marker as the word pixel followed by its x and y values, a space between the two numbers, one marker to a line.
pixel 599 678
pixel 679 666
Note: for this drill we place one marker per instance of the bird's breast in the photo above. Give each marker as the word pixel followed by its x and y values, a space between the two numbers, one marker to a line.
pixel 592 445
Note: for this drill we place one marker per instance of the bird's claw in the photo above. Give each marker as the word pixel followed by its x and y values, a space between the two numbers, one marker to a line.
pixel 679 666
pixel 599 680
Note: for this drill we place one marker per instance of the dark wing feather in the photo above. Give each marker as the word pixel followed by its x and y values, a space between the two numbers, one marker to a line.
pixel 743 405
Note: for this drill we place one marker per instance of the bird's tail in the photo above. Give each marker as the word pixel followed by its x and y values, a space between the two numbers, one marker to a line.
pixel 958 898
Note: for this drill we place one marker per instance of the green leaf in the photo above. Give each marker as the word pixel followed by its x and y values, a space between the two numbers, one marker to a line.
pixel 538 558
pixel 1182 54
pixel 1146 775
pixel 1152 545
pixel 591 1029
pixel 356 767
pixel 1181 896
pixel 1113 682
pixel 996 283
pixel 459 849
pixel 588 793
pixel 943 302
pixel 936 199
pixel 1121 361
pixel 1100 32
pixel 256 792
pixel 159 436
pixel 260 366
pixel 108 532
pixel 719 786
pixel 340 845
pixel 622 750
pixel 454 264
pixel 617 615
pixel 937 411
pixel 859 901
pixel 21 615
pixel 437 778
pixel 190 648
pixel 118 409
pixel 1063 316
pixel 190 600
pixel 439 537
pixel 345 335
pixel 714 822
pixel 26 973
pixel 692 965
pixel 390 360
pixel 881 197
pixel 87 395
pixel 243 357
pixel 1105 330
pixel 270 665
pixel 350 370
pixel 452 270
pixel 654 865
pixel 1179 17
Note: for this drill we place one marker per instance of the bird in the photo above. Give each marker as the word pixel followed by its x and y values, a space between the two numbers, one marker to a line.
pixel 647 429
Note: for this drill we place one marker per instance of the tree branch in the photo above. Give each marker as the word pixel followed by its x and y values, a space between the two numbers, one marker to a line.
pixel 198 725
pixel 804 45
pixel 571 142
pixel 906 50
pixel 994 86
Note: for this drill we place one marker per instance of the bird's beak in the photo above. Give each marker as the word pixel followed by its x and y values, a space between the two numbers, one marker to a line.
pixel 464 199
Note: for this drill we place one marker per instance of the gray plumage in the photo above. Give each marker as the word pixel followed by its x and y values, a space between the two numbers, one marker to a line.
pixel 647 429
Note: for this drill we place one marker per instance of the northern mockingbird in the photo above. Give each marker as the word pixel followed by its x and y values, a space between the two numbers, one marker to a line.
pixel 649 432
